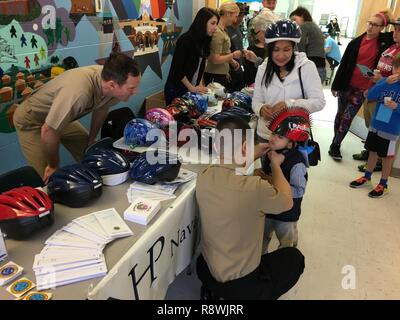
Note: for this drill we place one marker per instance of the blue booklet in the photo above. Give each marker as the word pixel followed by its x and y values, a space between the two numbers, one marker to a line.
pixel 384 113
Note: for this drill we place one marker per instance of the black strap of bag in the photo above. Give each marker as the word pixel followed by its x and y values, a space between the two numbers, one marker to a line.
pixel 315 156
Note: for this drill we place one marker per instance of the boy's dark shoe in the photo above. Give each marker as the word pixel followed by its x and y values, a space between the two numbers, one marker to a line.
pixel 363 167
pixel 363 155
pixel 334 151
pixel 379 191
pixel 360 182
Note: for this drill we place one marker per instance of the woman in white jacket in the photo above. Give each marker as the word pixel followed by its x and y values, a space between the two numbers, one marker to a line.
pixel 278 83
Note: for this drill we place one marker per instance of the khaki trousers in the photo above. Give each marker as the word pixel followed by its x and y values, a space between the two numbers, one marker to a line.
pixel 286 232
pixel 74 137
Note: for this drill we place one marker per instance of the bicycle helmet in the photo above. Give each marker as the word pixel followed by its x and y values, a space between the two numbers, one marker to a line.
pixel 24 210
pixel 219 89
pixel 292 123
pixel 199 105
pixel 135 132
pixel 179 110
pixel 74 185
pixel 166 168
pixel 242 97
pixel 111 165
pixel 212 98
pixel 235 111
pixel 283 30
pixel 160 117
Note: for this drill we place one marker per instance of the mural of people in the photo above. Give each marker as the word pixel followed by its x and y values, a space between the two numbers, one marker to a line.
pixel 59 30
pixel 23 41
pixel 36 59
pixel 27 62
pixel 13 32
pixel 42 53
pixel 33 42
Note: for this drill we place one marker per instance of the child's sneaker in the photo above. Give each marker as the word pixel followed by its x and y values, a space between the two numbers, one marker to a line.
pixel 379 191
pixel 360 182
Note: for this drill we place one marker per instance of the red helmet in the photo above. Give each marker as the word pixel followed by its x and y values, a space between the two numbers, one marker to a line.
pixel 292 123
pixel 23 210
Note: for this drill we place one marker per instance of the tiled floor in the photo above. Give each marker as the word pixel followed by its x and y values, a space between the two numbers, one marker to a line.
pixel 340 230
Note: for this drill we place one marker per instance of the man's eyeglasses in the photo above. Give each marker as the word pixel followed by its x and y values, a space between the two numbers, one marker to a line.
pixel 371 24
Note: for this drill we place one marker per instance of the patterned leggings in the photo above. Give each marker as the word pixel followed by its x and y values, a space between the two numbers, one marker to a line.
pixel 349 102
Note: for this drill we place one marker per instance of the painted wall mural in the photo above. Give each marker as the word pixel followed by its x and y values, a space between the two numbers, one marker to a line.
pixel 39 39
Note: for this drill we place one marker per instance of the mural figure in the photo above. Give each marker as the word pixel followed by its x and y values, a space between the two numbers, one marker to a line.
pixel 23 41
pixel 36 59
pixel 27 62
pixel 13 32
pixel 43 53
pixel 33 42
pixel 59 30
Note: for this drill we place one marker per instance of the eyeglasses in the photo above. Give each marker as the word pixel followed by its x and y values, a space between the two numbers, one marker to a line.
pixel 371 24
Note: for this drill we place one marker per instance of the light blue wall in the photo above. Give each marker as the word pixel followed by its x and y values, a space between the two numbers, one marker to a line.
pixel 10 154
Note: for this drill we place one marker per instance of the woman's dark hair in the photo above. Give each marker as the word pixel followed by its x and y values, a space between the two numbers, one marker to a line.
pixel 198 29
pixel 272 67
pixel 117 68
pixel 302 12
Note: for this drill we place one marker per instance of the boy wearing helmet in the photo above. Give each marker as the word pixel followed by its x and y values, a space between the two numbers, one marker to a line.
pixel 289 128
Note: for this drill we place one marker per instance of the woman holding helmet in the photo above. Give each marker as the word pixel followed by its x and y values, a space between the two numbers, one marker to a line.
pixel 189 60
pixel 286 78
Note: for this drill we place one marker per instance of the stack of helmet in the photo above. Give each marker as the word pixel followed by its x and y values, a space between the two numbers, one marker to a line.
pixel 182 133
pixel 74 185
pixel 25 210
pixel 136 131
pixel 218 89
pixel 235 111
pixel 179 110
pixel 196 103
pixel 160 117
pixel 238 99
pixel 111 165
pixel 155 166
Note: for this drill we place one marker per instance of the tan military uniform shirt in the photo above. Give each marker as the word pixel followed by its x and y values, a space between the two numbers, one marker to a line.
pixel 232 222
pixel 220 44
pixel 66 98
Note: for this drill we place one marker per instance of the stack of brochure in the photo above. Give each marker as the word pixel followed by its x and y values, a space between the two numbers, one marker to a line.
pixel 142 210
pixel 159 191
pixel 75 253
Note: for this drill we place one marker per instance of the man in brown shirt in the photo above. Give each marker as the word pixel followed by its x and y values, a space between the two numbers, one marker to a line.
pixel 232 207
pixel 50 115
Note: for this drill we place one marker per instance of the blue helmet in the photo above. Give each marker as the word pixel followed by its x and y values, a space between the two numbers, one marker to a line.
pixel 166 169
pixel 136 130
pixel 238 95
pixel 235 111
pixel 283 30
pixel 200 102
pixel 111 165
pixel 74 185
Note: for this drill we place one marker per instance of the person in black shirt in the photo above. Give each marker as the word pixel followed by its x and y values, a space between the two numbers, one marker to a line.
pixel 257 33
pixel 191 52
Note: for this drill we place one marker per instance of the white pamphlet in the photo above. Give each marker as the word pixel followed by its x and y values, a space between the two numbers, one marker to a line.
pixel 61 278
pixel 78 230
pixel 112 223
pixel 156 188
pixel 90 223
pixel 63 238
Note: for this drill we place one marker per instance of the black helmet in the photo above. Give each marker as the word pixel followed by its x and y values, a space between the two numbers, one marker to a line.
pixel 166 169
pixel 111 165
pixel 74 185
pixel 283 30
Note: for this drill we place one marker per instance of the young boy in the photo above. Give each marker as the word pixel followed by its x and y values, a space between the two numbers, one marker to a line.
pixel 289 127
pixel 383 131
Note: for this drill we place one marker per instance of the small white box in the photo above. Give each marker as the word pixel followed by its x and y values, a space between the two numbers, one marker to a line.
pixel 142 210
